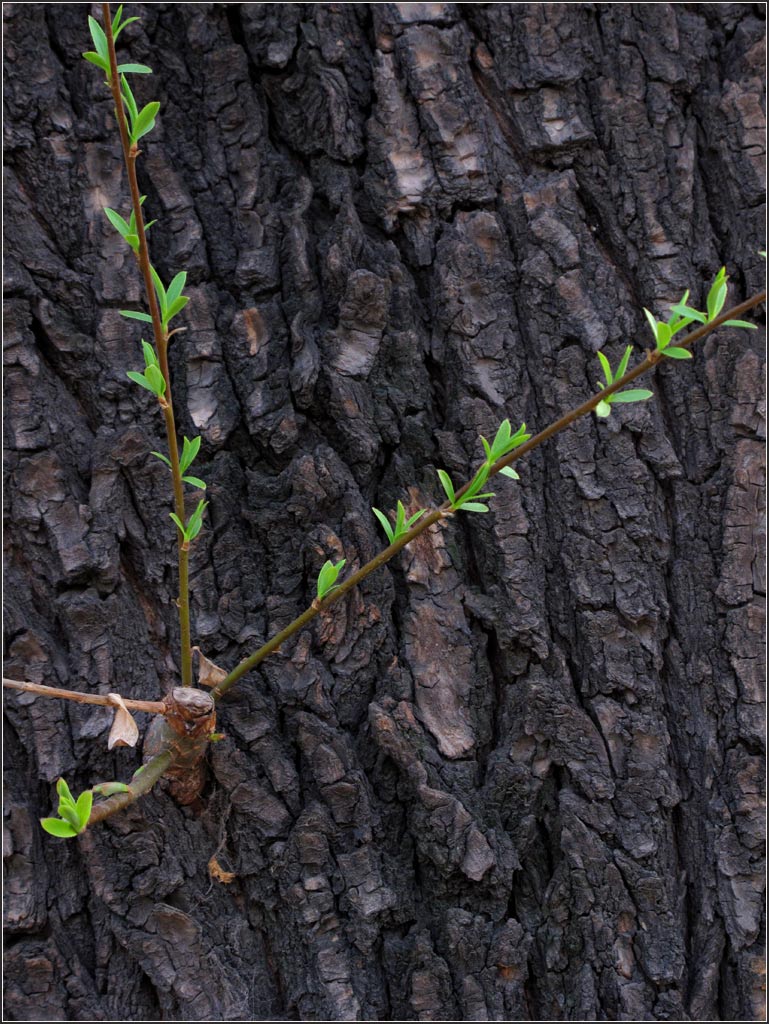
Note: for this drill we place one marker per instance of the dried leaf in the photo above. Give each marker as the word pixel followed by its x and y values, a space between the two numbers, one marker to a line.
pixel 209 674
pixel 124 731
pixel 216 871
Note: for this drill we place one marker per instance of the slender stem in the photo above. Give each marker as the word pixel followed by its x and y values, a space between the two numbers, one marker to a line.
pixel 153 707
pixel 143 783
pixel 130 153
pixel 649 363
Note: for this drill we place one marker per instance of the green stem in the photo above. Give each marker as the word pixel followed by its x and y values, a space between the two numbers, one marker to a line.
pixel 650 362
pixel 152 773
pixel 130 153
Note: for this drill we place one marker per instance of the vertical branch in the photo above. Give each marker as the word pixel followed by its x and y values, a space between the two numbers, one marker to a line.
pixel 130 153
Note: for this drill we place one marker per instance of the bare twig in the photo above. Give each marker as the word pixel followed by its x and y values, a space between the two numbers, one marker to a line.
pixel 152 707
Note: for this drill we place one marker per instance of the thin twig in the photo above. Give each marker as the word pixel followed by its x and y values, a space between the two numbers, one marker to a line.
pixel 130 153
pixel 651 360
pixel 152 707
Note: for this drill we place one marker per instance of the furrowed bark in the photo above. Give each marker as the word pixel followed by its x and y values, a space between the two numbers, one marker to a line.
pixel 517 773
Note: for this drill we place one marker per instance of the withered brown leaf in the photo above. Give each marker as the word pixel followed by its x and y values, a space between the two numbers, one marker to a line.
pixel 124 731
pixel 209 674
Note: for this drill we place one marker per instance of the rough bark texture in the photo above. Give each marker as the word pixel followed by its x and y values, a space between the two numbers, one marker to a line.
pixel 518 774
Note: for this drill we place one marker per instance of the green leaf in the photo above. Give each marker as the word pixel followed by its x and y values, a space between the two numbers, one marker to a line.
pixel 509 471
pixel 474 506
pixel 134 69
pixel 689 313
pixel 57 827
pixel 606 368
pixel 145 122
pixel 100 62
pixel 632 395
pixel 70 815
pixel 141 380
pixel 677 353
pixel 717 294
pixel 652 322
pixel 603 409
pixel 663 336
pixel 63 791
pixel 623 363
pixel 150 359
pixel 740 323
pixel 487 449
pixel 177 307
pixel 478 480
pixel 131 314
pixel 190 450
pixel 160 292
pixel 83 807
pixel 117 222
pixel 99 39
pixel 180 525
pixel 327 577
pixel 175 288
pixel 447 485
pixel 385 524
pixel 117 25
pixel 195 481
pixel 128 97
pixel 156 379
pixel 417 515
pixel 133 241
pixel 195 523
pixel 162 458
pixel 400 518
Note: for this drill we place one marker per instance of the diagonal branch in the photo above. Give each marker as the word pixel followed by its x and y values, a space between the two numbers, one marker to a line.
pixel 649 363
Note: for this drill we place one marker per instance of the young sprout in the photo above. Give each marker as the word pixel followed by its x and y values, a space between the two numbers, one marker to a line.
pixel 327 578
pixel 402 525
pixel 73 815
pixel 603 408
pixel 194 524
pixel 127 229
pixel 152 379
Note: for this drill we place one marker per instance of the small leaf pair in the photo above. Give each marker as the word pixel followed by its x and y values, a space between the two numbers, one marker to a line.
pixel 101 55
pixel 189 451
pixel 603 409
pixel 327 578
pixel 152 379
pixel 402 525
pixel 465 503
pixel 171 300
pixel 140 122
pixel 73 815
pixel 127 231
pixel 192 528
pixel 504 442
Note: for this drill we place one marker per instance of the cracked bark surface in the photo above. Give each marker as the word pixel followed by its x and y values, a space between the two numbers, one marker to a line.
pixel 518 773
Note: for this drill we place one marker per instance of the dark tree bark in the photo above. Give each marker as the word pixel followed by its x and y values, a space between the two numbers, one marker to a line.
pixel 517 775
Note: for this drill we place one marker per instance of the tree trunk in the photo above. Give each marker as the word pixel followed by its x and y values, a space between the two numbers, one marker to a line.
pixel 517 774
